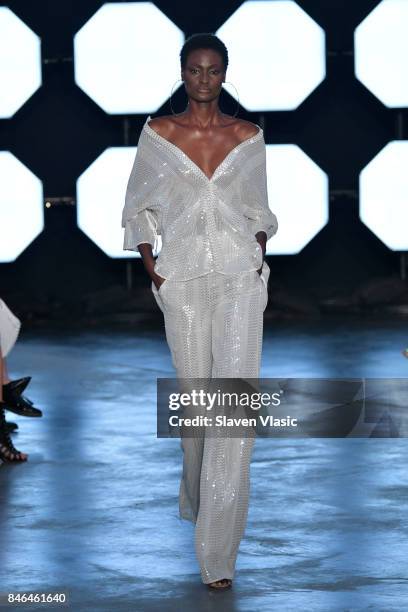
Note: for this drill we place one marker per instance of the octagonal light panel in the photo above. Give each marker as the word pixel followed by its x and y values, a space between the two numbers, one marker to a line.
pixel 21 207
pixel 276 53
pixel 127 57
pixel 101 191
pixel 20 63
pixel 298 193
pixel 381 52
pixel 384 195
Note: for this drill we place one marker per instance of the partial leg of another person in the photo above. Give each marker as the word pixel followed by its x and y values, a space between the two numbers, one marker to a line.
pixel 8 452
pixel 9 330
pixel 12 390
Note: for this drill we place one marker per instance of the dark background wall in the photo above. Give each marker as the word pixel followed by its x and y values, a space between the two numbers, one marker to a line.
pixel 60 131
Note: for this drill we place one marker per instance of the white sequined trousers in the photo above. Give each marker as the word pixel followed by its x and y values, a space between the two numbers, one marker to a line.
pixel 214 329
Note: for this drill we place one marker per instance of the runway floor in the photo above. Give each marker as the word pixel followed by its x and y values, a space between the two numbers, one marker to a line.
pixel 94 512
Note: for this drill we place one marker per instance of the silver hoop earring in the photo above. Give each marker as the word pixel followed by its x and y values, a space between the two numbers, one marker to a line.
pixel 171 93
pixel 238 103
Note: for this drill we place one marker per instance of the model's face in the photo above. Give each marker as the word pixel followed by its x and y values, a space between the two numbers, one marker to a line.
pixel 203 74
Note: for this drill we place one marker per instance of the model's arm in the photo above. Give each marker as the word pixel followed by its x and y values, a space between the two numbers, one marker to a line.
pixel 145 251
pixel 140 216
pixel 262 221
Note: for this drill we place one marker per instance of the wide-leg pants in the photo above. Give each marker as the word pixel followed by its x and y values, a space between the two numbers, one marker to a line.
pixel 214 329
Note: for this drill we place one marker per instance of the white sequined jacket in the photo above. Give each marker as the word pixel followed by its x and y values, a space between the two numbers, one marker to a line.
pixel 205 224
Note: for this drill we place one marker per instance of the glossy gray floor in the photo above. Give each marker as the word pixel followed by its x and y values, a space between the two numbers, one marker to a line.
pixel 95 510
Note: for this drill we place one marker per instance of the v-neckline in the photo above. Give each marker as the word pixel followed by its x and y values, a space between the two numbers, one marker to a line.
pixel 179 151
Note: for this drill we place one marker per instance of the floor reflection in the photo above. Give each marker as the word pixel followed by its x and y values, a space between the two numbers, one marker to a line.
pixel 95 509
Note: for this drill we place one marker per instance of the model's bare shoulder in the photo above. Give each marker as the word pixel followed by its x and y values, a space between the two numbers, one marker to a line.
pixel 246 129
pixel 162 125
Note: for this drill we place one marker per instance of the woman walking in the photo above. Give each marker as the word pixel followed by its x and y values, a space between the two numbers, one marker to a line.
pixel 199 181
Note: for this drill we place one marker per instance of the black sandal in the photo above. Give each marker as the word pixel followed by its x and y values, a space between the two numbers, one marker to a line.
pixel 224 583
pixel 11 426
pixel 19 384
pixel 8 452
pixel 15 388
pixel 19 404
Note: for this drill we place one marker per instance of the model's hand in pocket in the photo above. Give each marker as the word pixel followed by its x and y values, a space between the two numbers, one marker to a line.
pixel 158 280
pixel 145 249
pixel 261 239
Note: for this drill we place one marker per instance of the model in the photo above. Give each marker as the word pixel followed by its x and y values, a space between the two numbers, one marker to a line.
pixel 199 181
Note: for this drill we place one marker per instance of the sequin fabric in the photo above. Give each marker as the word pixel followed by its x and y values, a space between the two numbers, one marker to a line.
pixel 212 300
pixel 206 225
pixel 214 327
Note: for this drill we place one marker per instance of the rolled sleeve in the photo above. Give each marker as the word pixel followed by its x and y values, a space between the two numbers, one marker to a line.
pixel 257 212
pixel 145 194
pixel 143 228
pixel 267 223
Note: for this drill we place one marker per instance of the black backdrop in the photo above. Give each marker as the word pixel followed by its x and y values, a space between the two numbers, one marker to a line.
pixel 60 131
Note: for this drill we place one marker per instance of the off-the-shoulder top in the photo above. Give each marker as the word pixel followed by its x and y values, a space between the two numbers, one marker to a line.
pixel 205 224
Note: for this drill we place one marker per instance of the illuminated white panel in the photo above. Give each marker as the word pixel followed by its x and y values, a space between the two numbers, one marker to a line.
pixel 101 191
pixel 21 207
pixel 276 52
pixel 299 196
pixel 20 63
pixel 127 57
pixel 381 52
pixel 384 195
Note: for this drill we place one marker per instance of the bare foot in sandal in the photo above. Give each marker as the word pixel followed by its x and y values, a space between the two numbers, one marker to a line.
pixel 224 583
pixel 8 452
